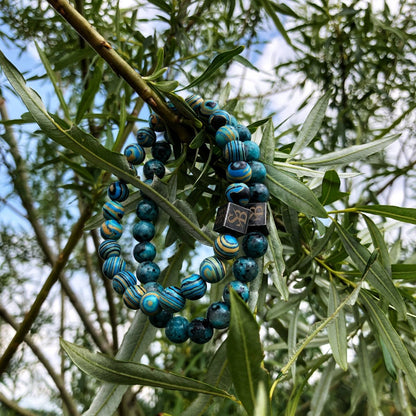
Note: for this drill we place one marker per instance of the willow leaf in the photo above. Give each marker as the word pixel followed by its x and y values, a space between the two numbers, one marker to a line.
pixel 398 213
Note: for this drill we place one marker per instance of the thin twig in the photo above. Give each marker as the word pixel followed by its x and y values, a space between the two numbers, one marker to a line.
pixel 15 407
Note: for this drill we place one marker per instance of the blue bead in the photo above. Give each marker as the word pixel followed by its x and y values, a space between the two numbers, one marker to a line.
pixel 238 193
pixel 234 151
pixel 194 101
pixel 156 123
pixel 149 303
pixel 109 248
pixel 200 330
pixel 153 287
pixel 193 287
pixel 172 107
pixel 147 210
pixel 154 167
pixel 212 269
pixel 208 107
pixel 146 137
pixel 111 230
pixel 218 315
pixel 258 171
pixel 255 244
pixel 112 266
pixel 148 272
pixel 238 172
pixel 161 151
pixel 135 154
pixel 143 231
pixel 252 151
pixel 226 246
pixel 243 132
pixel 113 210
pixel 241 289
pixel 245 269
pixel 224 135
pixel 259 192
pixel 123 280
pixel 132 296
pixel 177 329
pixel 219 118
pixel 118 191
pixel 144 251
pixel 161 319
pixel 171 299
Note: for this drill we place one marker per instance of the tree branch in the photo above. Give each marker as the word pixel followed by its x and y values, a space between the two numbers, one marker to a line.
pixel 15 407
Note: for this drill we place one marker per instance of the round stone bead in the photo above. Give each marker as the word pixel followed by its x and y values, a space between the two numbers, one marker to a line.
pixel 144 251
pixel 149 303
pixel 177 329
pixel 118 191
pixel 143 231
pixel 193 287
pixel 243 132
pixel 153 287
pixel 113 210
pixel 212 269
pixel 133 295
pixel 135 154
pixel 171 299
pixel 161 151
pixel 219 118
pixel 112 266
pixel 154 167
pixel 252 150
pixel 245 269
pixel 226 246
pixel 148 272
pixel 146 137
pixel 208 107
pixel 238 172
pixel 109 248
pixel 259 192
pixel 255 244
pixel 234 151
pixel 161 319
pixel 224 135
pixel 218 315
pixel 258 171
pixel 111 230
pixel 238 193
pixel 123 280
pixel 156 123
pixel 200 330
pixel 194 101
pixel 241 289
pixel 147 210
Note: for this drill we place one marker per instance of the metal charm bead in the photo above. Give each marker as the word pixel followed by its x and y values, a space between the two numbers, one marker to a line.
pixel 238 193
pixel 148 272
pixel 255 244
pixel 109 248
pixel 123 280
pixel 258 171
pixel 113 210
pixel 161 151
pixel 154 167
pixel 149 303
pixel 147 210
pixel 224 135
pixel 245 269
pixel 239 172
pixel 194 101
pixel 234 151
pixel 200 330
pixel 212 269
pixel 118 191
pixel 258 218
pixel 193 287
pixel 259 192
pixel 112 266
pixel 232 219
pixel 241 289
pixel 146 137
pixel 243 132
pixel 133 295
pixel 252 151
pixel 143 231
pixel 226 246
pixel 177 329
pixel 218 315
pixel 156 123
pixel 111 230
pixel 219 118
pixel 161 319
pixel 144 251
pixel 171 299
pixel 135 154
pixel 208 107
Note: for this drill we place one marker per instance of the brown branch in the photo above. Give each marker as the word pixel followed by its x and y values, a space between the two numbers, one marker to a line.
pixel 15 407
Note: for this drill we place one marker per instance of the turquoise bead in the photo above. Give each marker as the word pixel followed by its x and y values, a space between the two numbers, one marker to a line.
pixel 143 231
pixel 238 172
pixel 194 101
pixel 161 319
pixel 226 246
pixel 118 191
pixel 146 137
pixel 245 269
pixel 154 167
pixel 252 150
pixel 259 192
pixel 147 210
pixel 135 154
pixel 208 107
pixel 148 272
pixel 219 118
pixel 243 132
pixel 238 193
pixel 149 303
pixel 224 135
pixel 112 266
pixel 156 123
pixel 200 330
pixel 255 244
pixel 218 315
pixel 161 151
pixel 113 210
pixel 241 289
pixel 212 269
pixel 111 230
pixel 133 295
pixel 123 280
pixel 234 151
pixel 171 299
pixel 144 251
pixel 258 171
pixel 177 329
pixel 193 287
pixel 109 248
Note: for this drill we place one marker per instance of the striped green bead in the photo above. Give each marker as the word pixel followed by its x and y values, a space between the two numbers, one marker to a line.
pixel 234 151
pixel 111 230
pixel 171 299
pixel 109 248
pixel 226 246
pixel 123 280
pixel 113 210
pixel 238 172
pixel 219 118
pixel 135 154
pixel 118 191
pixel 224 135
pixel 112 266
pixel 194 101
pixel 150 304
pixel 238 193
pixel 193 287
pixel 146 137
pixel 133 295
pixel 208 107
pixel 212 269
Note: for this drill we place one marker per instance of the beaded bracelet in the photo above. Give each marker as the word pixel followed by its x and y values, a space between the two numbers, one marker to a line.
pixel 245 214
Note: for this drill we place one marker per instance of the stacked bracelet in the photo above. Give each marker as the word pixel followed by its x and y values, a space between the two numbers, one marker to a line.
pixel 244 215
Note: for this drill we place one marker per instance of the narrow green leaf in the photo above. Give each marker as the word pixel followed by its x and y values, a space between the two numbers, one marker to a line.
pixel 269 8
pixel 291 221
pixel 330 188
pixel 312 124
pixel 301 171
pixel 294 193
pixel 320 394
pixel 262 406
pixel 165 86
pixel 198 140
pixel 404 271
pixel 267 144
pixel 388 360
pixel 292 339
pixel 243 61
pixel 398 213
